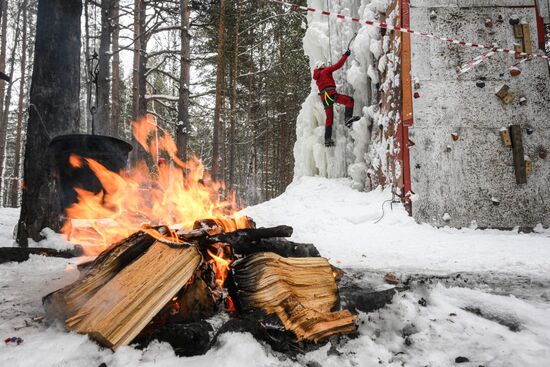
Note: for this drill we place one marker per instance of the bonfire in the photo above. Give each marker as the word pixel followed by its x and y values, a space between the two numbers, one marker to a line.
pixel 171 250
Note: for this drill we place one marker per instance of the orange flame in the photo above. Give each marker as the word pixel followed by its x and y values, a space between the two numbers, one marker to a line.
pixel 220 265
pixel 176 195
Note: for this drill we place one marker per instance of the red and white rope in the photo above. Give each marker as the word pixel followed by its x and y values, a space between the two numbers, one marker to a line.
pixel 408 30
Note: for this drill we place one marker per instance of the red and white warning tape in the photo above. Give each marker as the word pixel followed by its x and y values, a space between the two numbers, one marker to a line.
pixel 517 63
pixel 408 30
pixel 470 65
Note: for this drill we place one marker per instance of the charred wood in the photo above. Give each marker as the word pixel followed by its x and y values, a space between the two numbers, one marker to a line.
pixel 251 234
pixel 280 246
pixel 366 300
pixel 187 339
pixel 276 337
pixel 20 254
pixel 253 240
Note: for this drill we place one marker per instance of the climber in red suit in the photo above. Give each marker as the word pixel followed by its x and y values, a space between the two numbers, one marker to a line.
pixel 327 90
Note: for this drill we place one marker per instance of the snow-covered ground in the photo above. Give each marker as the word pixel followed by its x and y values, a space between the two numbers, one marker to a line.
pixel 492 304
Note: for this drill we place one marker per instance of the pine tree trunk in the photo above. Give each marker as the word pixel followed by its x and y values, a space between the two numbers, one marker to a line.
pixel 103 115
pixel 233 102
pixel 6 113
pixel 183 126
pixel 116 130
pixel 54 110
pixel 216 164
pixel 139 104
pixel 14 189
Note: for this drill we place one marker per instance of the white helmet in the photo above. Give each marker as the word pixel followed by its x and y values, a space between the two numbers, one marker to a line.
pixel 320 64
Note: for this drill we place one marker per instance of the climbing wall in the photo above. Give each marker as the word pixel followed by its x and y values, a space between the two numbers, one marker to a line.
pixel 463 172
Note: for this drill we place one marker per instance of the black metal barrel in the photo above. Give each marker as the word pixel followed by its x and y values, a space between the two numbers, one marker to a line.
pixel 110 152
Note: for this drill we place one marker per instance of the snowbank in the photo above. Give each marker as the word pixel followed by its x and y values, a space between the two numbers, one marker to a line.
pixel 341 223
pixel 487 328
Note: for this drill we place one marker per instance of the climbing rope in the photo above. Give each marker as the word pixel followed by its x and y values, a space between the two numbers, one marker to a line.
pixel 329 33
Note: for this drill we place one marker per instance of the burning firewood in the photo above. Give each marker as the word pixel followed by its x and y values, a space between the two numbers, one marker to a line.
pixel 120 310
pixel 300 291
pixel 159 280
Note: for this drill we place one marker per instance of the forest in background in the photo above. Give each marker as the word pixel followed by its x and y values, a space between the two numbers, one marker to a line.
pixel 162 58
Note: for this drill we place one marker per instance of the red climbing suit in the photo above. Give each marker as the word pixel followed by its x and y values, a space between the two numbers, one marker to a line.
pixel 327 90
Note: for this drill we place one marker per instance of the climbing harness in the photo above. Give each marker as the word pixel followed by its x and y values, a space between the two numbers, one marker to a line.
pixel 328 101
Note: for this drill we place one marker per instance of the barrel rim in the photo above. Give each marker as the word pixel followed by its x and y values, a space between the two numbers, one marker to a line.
pixel 75 137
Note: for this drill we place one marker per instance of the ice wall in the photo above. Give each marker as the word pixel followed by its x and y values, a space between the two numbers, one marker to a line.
pixel 327 39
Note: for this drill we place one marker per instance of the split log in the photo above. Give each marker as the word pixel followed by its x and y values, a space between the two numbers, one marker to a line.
pixel 122 308
pixel 66 301
pixel 20 254
pixel 300 291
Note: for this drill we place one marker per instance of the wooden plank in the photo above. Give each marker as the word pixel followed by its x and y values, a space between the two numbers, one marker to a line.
pixel 300 291
pixel 118 312
pixel 518 31
pixel 527 45
pixel 518 48
pixel 505 137
pixel 516 134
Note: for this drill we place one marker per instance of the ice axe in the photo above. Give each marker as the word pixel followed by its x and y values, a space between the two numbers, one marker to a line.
pixel 351 40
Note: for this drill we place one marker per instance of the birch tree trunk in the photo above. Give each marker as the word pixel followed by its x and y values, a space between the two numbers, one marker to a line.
pixel 6 111
pixel 14 189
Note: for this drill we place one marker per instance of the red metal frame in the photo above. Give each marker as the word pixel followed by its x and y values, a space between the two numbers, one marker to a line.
pixel 406 113
pixel 540 27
